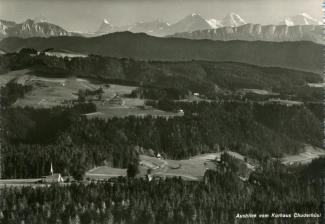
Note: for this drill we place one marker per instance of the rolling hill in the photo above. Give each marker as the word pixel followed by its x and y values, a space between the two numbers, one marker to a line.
pixel 306 56
pixel 197 76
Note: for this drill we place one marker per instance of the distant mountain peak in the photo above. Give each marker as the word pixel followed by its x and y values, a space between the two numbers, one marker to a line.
pixel 155 27
pixel 105 27
pixel 30 21
pixel 214 23
pixel 4 26
pixel 190 23
pixel 30 28
pixel 194 14
pixel 301 19
pixel 106 21
pixel 306 15
pixel 40 19
pixel 233 20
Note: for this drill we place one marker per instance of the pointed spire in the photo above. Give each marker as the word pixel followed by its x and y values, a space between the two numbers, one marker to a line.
pixel 51 169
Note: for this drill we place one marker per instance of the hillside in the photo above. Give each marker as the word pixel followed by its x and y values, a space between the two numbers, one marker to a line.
pixel 305 56
pixel 208 78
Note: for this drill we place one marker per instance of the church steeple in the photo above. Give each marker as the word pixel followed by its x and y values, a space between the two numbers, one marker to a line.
pixel 51 171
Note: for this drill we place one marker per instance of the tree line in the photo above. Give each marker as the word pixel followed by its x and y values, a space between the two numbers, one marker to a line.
pixel 11 92
pixel 205 127
pixel 272 189
pixel 173 79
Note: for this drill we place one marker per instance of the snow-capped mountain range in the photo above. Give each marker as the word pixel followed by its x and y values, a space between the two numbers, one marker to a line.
pixel 30 28
pixel 232 20
pixel 190 23
pixel 301 27
pixel 193 26
pixel 197 24
pixel 257 32
pixel 301 19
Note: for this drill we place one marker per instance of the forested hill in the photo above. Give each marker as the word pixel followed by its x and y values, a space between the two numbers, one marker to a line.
pixel 197 76
pixel 305 56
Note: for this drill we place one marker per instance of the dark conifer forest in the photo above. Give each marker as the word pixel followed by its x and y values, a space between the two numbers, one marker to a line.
pixel 262 131
pixel 38 136
pixel 217 199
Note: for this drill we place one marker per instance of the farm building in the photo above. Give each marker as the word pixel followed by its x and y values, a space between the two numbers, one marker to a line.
pixel 159 156
pixel 181 112
pixel 116 101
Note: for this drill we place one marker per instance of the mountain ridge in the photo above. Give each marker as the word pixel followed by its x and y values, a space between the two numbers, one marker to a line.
pixel 189 23
pixel 31 28
pixel 141 46
pixel 300 19
pixel 195 22
pixel 257 32
pixel 232 20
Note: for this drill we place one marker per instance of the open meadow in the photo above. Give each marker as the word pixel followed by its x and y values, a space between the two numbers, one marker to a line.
pixel 193 169
pixel 50 92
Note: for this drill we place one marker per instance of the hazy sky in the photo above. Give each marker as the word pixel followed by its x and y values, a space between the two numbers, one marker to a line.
pixel 86 15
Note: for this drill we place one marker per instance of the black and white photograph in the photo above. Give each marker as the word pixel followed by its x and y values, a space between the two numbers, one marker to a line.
pixel 162 112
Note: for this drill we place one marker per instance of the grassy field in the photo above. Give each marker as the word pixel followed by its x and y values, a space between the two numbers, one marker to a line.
pixel 305 157
pixel 5 78
pixel 50 92
pixel 110 112
pixel 104 172
pixel 316 85
pixel 286 102
pixel 257 91
pixel 193 169
pixel 65 54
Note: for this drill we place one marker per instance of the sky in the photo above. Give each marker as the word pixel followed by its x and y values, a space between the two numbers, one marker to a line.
pixel 87 15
